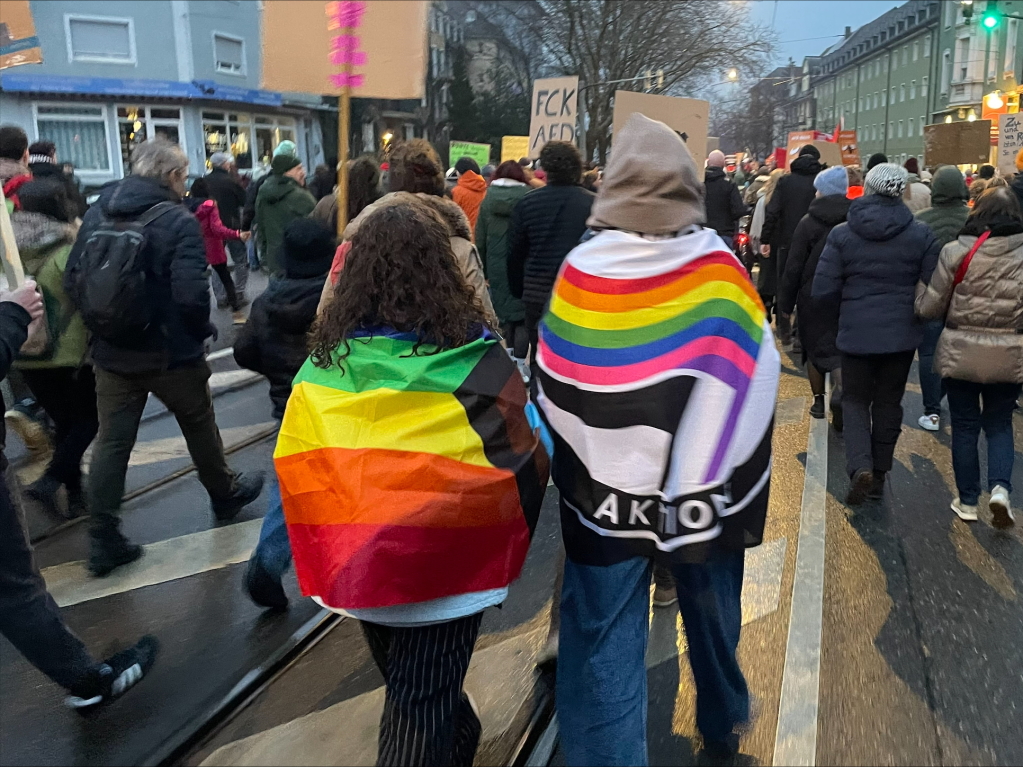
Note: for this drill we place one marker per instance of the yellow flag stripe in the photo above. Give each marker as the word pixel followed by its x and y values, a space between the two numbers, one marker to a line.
pixel 422 422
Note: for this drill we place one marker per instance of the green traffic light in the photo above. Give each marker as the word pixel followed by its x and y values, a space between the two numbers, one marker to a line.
pixel 990 21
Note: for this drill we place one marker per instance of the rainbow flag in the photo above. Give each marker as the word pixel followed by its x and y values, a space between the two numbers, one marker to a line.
pixel 658 374
pixel 409 477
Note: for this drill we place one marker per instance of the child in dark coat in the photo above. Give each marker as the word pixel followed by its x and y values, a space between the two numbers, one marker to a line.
pixel 273 341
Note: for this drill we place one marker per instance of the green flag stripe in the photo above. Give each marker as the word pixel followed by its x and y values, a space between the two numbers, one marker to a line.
pixel 623 339
pixel 384 363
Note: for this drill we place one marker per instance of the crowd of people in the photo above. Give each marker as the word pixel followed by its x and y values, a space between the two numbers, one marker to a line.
pixel 461 342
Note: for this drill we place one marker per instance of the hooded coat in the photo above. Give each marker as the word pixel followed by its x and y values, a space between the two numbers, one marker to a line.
pixel 790 201
pixel 917 196
pixel 177 286
pixel 948 211
pixel 723 201
pixel 280 201
pixel 469 193
pixel 818 319
pixel 213 231
pixel 44 244
pixel 44 170
pixel 983 336
pixel 492 242
pixel 872 264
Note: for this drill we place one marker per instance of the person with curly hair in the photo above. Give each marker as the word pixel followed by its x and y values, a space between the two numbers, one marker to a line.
pixel 363 190
pixel 396 519
pixel 545 225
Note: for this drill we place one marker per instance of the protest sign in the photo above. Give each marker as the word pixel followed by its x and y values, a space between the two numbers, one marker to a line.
pixel 514 148
pixel 18 42
pixel 958 143
pixel 850 146
pixel 389 48
pixel 687 117
pixel 458 149
pixel 1010 141
pixel 552 112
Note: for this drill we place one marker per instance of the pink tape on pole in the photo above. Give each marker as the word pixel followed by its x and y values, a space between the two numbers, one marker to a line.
pixel 349 58
pixel 346 42
pixel 346 80
pixel 347 13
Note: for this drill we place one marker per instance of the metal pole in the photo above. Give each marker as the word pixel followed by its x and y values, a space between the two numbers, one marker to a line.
pixel 344 112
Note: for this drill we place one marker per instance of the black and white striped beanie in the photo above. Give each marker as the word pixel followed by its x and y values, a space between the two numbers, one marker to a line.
pixel 886 179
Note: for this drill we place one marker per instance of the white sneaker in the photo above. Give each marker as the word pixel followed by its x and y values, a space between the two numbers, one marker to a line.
pixel 1001 509
pixel 930 422
pixel 964 511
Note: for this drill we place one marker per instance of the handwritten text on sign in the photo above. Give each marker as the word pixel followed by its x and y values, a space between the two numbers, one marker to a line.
pixel 552 112
pixel 1010 141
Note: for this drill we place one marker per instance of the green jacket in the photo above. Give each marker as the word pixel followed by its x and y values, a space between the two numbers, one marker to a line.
pixel 279 202
pixel 492 243
pixel 948 210
pixel 45 244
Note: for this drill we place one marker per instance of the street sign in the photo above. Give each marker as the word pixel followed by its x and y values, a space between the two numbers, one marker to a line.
pixel 552 112
pixel 458 149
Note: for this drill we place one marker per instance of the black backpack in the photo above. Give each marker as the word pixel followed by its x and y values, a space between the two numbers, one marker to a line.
pixel 108 281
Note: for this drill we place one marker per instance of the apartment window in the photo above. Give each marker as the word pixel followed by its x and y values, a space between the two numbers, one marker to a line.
pixel 79 132
pixel 892 100
pixel 909 127
pixel 1011 31
pixel 884 65
pixel 923 87
pixel 946 70
pixel 895 60
pixel 905 55
pixel 901 126
pixel 891 130
pixel 884 97
pixel 902 92
pixel 912 89
pixel 916 50
pixel 135 124
pixel 99 39
pixel 873 132
pixel 228 54
pixel 964 58
pixel 921 125
pixel 927 47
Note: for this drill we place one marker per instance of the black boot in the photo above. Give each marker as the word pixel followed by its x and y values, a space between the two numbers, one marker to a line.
pixel 246 490
pixel 817 408
pixel 876 492
pixel 108 550
pixel 861 483
pixel 263 588
pixel 77 506
pixel 44 492
pixel 837 418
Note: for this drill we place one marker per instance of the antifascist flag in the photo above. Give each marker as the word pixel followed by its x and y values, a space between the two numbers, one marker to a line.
pixel 409 477
pixel 658 377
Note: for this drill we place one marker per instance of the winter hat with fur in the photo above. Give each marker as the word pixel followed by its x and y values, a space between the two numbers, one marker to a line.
pixel 887 180
pixel 651 184
pixel 832 181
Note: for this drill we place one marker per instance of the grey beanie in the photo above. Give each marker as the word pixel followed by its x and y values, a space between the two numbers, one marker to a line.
pixel 887 180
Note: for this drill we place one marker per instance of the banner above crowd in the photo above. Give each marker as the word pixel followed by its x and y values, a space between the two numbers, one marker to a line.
pixel 687 117
pixel 552 114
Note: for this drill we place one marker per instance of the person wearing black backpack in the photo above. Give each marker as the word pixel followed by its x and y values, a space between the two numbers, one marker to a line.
pixel 137 274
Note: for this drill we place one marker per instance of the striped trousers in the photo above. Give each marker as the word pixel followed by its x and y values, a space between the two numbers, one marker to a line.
pixel 427 718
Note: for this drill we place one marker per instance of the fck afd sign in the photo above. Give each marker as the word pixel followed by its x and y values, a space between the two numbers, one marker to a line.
pixel 552 112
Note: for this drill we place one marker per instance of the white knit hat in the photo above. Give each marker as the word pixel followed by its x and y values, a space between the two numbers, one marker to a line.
pixel 886 179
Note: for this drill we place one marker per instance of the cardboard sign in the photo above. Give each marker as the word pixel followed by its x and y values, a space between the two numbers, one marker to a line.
pixel 18 42
pixel 687 117
pixel 1010 141
pixel 514 148
pixel 959 143
pixel 849 144
pixel 799 139
pixel 459 149
pixel 390 44
pixel 552 112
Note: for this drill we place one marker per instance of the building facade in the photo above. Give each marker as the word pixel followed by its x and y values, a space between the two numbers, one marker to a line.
pixel 115 74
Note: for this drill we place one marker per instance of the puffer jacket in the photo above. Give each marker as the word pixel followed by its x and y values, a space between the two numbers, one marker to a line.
pixel 492 242
pixel 723 203
pixel 279 202
pixel 948 210
pixel 790 201
pixel 872 264
pixel 469 193
pixel 983 336
pixel 45 244
pixel 466 255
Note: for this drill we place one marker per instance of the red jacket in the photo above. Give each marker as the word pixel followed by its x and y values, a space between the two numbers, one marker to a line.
pixel 214 232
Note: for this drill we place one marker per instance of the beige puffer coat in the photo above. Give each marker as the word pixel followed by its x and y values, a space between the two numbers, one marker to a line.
pixel 983 336
pixel 466 255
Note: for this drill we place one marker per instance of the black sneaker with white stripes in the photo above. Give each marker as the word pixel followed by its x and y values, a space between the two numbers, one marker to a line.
pixel 115 676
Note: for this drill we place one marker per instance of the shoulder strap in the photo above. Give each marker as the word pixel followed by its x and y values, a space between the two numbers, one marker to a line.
pixel 961 271
pixel 156 211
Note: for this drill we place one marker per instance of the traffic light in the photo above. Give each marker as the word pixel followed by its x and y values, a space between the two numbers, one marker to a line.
pixel 991 17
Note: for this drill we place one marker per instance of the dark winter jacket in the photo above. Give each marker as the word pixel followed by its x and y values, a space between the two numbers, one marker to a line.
pixel 818 320
pixel 281 200
pixel 1017 187
pixel 873 264
pixel 251 193
pixel 492 243
pixel 948 210
pixel 790 201
pixel 14 322
pixel 273 341
pixel 545 225
pixel 723 203
pixel 229 196
pixel 176 279
pixel 41 170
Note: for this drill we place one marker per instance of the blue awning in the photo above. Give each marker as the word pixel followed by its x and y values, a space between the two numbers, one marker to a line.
pixel 17 82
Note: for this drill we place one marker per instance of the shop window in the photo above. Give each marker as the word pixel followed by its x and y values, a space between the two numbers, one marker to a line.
pixel 101 39
pixel 228 54
pixel 79 133
pixel 136 124
pixel 229 132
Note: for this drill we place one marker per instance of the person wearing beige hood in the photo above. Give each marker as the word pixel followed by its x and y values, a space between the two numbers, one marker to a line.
pixel 657 375
pixel 976 290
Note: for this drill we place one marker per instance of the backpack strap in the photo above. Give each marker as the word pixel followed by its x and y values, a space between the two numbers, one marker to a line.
pixel 155 212
pixel 961 271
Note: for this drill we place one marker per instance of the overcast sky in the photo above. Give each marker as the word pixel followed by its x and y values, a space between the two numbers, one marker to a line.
pixel 796 20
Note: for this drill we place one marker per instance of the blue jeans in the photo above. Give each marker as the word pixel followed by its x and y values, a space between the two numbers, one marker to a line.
pixel 931 384
pixel 968 418
pixel 273 552
pixel 602 677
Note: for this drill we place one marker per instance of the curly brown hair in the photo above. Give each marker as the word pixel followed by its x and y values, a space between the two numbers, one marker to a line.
pixel 401 274
pixel 416 168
